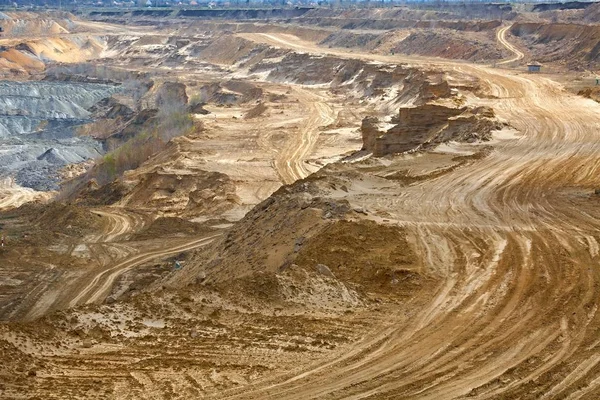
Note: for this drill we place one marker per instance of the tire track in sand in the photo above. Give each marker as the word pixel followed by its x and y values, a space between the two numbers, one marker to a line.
pixel 501 36
pixel 103 281
pixel 515 314
pixel 290 162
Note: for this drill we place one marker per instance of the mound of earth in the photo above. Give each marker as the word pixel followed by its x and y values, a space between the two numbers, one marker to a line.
pixel 256 111
pixel 64 218
pixel 230 49
pixel 92 194
pixel 54 156
pixel 111 108
pixel 228 93
pixel 31 56
pixel 172 95
pixel 21 368
pixel 300 249
pixel 18 23
pixel 375 258
pixel 181 193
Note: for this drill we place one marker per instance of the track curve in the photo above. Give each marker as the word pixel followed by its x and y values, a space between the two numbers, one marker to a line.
pixel 513 241
pixel 501 36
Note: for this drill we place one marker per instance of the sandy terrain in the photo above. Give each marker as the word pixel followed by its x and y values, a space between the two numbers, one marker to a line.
pixel 466 271
pixel 501 35
pixel 12 195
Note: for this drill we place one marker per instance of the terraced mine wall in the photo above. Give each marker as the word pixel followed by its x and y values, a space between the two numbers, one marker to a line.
pixel 245 14
pixel 38 122
pixel 385 24
pixel 570 5
pixel 206 13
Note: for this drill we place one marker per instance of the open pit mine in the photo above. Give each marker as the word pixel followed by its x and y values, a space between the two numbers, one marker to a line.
pixel 300 201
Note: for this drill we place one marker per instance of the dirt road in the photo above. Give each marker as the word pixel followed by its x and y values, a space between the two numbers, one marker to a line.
pixel 514 243
pixel 291 161
pixel 501 36
pixel 98 288
pixel 113 256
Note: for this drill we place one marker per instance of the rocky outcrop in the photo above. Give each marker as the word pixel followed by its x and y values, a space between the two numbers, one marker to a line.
pixel 111 108
pixel 228 93
pixel 436 90
pixel 428 125
pixel 370 132
pixel 172 94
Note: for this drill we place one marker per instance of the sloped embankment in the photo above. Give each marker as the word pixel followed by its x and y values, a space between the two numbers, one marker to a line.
pixel 314 250
pixel 19 23
pixel 576 46
pixel 33 40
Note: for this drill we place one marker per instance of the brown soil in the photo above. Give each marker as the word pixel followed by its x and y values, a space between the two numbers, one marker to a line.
pixel 572 45
pixel 364 254
pixel 172 226
pixel 270 258
pixel 591 93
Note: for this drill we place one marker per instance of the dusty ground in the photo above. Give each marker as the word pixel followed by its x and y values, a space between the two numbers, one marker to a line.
pixel 309 268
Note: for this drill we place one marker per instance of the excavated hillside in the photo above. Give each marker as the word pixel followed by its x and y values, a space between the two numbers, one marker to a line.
pixel 384 30
pixel 27 24
pixel 311 206
pixel 38 130
pixel 573 45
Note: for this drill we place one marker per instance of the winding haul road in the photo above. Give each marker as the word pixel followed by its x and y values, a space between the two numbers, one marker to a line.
pixel 99 287
pixel 513 241
pixel 501 36
pixel 95 285
pixel 291 163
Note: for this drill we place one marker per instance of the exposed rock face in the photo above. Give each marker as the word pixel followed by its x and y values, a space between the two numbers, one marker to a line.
pixel 435 90
pixel 172 94
pixel 370 132
pixel 427 125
